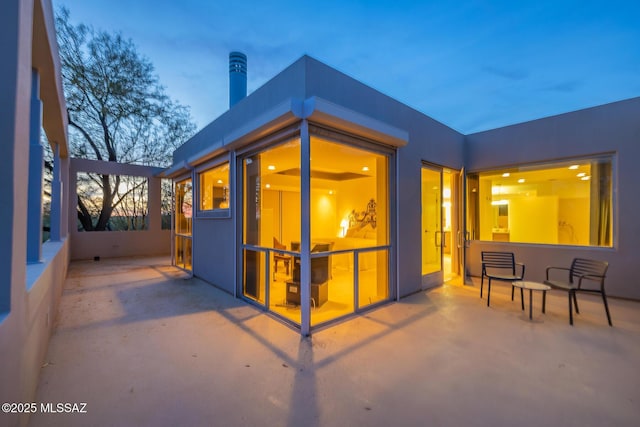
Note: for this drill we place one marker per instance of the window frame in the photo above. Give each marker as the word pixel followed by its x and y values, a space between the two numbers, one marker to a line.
pixel 216 213
pixel 611 157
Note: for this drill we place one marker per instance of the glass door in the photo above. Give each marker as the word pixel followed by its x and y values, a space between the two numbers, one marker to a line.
pixel 432 235
pixel 183 224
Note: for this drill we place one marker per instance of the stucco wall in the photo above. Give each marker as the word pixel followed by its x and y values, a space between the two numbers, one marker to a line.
pixel 110 244
pixel 29 294
pixel 611 128
pixel 213 251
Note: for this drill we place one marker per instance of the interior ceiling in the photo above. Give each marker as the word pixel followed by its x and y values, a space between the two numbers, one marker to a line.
pixel 326 158
pixel 332 176
pixel 537 176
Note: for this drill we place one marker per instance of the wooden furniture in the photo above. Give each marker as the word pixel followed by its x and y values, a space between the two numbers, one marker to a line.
pixel 584 275
pixel 500 266
pixel 279 256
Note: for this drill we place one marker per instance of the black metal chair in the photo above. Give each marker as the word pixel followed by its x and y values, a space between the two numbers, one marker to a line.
pixel 581 269
pixel 500 266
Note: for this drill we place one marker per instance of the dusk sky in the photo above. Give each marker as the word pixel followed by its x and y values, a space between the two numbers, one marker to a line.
pixel 473 65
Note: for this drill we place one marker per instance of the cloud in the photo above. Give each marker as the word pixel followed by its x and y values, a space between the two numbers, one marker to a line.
pixel 568 86
pixel 511 74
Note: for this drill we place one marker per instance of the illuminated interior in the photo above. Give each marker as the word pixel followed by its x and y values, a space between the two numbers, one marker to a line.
pixel 568 203
pixel 349 227
pixel 214 188
pixel 183 225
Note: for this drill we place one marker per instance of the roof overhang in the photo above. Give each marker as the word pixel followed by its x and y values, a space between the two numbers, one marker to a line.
pixel 287 113
pixel 45 58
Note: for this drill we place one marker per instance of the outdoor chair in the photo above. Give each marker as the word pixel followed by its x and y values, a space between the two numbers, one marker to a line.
pixel 500 266
pixel 592 272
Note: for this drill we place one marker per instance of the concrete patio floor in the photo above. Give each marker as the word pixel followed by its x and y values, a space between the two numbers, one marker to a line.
pixel 143 345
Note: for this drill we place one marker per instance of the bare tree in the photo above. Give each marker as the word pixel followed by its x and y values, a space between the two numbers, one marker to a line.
pixel 118 112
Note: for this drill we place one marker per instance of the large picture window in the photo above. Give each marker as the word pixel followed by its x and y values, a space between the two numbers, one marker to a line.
pixel 564 203
pixel 349 247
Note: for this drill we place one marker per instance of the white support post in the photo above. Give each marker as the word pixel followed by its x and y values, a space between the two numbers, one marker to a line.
pixel 55 221
pixel 36 164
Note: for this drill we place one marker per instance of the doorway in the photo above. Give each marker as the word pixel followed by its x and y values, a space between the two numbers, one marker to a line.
pixel 441 225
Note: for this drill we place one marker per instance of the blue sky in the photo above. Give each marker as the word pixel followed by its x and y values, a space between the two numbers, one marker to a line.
pixel 473 65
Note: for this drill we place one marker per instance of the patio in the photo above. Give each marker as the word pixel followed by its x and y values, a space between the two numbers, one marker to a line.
pixel 143 344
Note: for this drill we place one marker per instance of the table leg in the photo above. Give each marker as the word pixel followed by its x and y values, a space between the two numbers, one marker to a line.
pixel 530 304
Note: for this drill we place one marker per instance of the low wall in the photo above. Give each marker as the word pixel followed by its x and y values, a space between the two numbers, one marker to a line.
pixel 25 331
pixel 111 244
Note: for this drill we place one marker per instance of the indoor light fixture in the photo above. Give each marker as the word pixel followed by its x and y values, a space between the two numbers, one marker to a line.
pixel 521 180
pixel 581 174
pixel 271 167
pixel 500 202
pixel 219 181
pixel 573 167
pixel 506 174
pixel 365 169
pixel 585 178
pixel 267 186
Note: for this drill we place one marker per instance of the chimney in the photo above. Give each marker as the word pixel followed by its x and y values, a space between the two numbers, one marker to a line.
pixel 237 77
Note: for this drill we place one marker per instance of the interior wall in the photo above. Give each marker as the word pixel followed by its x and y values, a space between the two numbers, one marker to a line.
pixel 534 219
pixel 573 223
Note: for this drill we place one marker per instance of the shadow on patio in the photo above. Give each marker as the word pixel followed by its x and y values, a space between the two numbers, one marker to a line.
pixel 143 344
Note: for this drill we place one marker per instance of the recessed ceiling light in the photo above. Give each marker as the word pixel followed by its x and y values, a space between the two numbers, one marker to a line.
pixel 506 174
pixel 585 178
pixel 521 180
pixel 330 191
pixel 573 167
pixel 219 181
pixel 267 186
pixel 365 168
pixel 581 174
pixel 271 167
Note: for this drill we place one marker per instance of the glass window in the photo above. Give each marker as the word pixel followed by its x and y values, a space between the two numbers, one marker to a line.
pixel 214 188
pixel 271 206
pixel 184 207
pixel 564 203
pixel 272 197
pixel 183 225
pixel 348 195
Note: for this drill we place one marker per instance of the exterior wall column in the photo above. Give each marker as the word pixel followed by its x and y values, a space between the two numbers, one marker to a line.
pixel 36 164
pixel 305 232
pixel 55 220
pixel 154 206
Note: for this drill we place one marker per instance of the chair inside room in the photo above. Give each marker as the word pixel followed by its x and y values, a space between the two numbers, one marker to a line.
pixel 584 275
pixel 320 274
pixel 279 256
pixel 500 266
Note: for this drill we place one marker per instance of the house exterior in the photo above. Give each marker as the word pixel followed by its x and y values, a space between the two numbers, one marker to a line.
pixel 317 197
